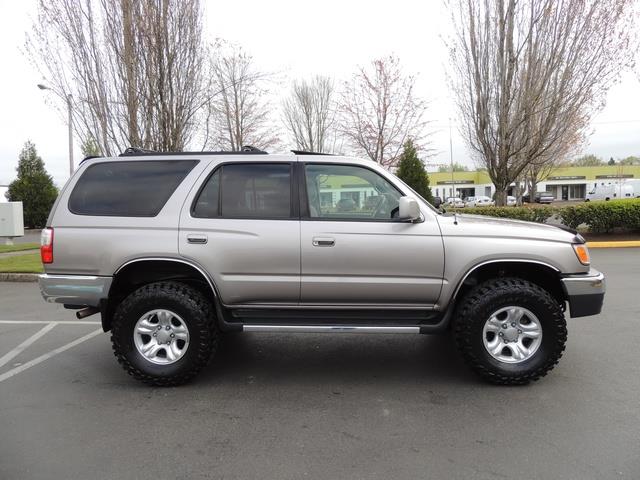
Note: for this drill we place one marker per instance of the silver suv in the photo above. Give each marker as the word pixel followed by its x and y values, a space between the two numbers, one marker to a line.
pixel 174 249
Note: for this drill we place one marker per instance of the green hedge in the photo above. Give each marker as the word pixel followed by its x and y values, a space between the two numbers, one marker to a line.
pixel 600 217
pixel 538 215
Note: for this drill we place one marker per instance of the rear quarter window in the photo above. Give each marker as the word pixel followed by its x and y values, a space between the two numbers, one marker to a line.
pixel 128 189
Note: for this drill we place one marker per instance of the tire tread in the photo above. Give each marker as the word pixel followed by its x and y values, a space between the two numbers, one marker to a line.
pixel 208 333
pixel 507 286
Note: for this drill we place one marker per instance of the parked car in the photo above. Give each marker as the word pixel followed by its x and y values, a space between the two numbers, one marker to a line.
pixel 481 201
pixel 540 197
pixel 511 201
pixel 172 249
pixel 455 202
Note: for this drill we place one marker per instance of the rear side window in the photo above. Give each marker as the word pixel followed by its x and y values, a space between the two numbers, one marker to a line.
pixel 128 189
pixel 246 191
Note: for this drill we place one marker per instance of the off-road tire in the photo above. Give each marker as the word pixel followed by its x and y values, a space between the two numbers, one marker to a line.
pixel 194 309
pixel 488 297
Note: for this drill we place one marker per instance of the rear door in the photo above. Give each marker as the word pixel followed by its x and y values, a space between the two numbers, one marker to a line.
pixel 243 227
pixel 354 252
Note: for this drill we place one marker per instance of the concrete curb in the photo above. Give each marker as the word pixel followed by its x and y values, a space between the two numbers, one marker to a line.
pixel 19 277
pixel 618 244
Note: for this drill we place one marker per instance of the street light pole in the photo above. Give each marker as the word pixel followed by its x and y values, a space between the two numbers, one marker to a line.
pixel 70 121
pixel 451 160
pixel 69 98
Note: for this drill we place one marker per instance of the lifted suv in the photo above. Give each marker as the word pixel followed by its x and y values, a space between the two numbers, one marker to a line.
pixel 174 249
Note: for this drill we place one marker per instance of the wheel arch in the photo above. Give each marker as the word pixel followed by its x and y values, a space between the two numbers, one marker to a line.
pixel 141 271
pixel 542 274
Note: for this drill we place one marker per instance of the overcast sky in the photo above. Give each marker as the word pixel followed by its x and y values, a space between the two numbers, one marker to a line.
pixel 295 39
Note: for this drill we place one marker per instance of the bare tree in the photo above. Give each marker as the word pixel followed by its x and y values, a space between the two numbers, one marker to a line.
pixel 239 112
pixel 528 76
pixel 309 112
pixel 379 111
pixel 134 68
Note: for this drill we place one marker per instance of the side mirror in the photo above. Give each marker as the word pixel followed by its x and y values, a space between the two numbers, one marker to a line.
pixel 409 209
pixel 437 201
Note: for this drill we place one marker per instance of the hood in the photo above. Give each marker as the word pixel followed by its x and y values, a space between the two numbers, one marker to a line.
pixel 466 225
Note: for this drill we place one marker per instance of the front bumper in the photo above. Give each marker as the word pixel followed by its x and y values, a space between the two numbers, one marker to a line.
pixel 74 289
pixel 585 293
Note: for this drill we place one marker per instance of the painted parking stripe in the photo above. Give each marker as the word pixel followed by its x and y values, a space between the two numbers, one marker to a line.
pixel 47 356
pixel 20 348
pixel 55 322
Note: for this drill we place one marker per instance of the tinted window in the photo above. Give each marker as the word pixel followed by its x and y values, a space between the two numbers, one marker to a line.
pixel 348 192
pixel 207 204
pixel 256 191
pixel 128 189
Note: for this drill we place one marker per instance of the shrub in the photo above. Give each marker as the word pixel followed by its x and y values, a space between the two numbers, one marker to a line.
pixel 538 215
pixel 599 217
pixel 603 217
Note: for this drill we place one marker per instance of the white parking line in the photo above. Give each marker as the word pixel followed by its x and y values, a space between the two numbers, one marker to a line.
pixel 47 356
pixel 16 351
pixel 55 322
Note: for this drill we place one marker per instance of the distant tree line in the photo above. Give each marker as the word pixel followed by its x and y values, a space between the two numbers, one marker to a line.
pixel 142 74
pixel 527 77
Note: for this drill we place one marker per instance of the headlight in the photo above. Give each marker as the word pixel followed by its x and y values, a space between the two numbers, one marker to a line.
pixel 582 252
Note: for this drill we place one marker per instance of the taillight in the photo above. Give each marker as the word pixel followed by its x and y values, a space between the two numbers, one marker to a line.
pixel 46 245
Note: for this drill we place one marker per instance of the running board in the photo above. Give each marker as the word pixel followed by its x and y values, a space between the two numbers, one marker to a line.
pixel 328 329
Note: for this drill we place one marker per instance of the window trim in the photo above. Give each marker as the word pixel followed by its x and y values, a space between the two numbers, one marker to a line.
pixel 194 161
pixel 294 207
pixel 304 197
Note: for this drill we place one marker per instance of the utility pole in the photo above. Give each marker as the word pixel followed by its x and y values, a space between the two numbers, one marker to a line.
pixel 70 121
pixel 69 98
pixel 453 182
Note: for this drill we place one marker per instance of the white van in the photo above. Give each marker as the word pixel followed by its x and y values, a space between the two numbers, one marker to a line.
pixel 614 191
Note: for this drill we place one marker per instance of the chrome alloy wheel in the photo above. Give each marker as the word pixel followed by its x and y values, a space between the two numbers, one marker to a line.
pixel 161 337
pixel 512 334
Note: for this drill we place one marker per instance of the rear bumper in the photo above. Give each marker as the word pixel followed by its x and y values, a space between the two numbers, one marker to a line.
pixel 585 293
pixel 74 289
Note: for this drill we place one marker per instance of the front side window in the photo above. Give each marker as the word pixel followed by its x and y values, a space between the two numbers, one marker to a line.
pixel 246 191
pixel 349 192
pixel 127 188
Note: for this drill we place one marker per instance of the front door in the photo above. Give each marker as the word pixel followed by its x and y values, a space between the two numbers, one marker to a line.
pixel 243 227
pixel 353 250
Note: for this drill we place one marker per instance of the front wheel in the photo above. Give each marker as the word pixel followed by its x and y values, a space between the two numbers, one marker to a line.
pixel 510 331
pixel 164 333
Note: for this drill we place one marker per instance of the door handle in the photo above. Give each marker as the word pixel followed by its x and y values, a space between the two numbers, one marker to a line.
pixel 198 239
pixel 323 242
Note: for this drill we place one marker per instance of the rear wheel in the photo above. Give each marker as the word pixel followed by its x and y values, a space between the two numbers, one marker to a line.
pixel 510 331
pixel 164 333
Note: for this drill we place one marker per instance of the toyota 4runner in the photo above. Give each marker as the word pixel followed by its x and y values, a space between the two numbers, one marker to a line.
pixel 174 249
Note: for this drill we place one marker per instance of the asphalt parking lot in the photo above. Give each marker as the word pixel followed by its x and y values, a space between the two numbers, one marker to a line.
pixel 319 406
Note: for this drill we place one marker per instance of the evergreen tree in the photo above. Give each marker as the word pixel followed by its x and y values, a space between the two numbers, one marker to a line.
pixel 612 161
pixel 411 170
pixel 33 187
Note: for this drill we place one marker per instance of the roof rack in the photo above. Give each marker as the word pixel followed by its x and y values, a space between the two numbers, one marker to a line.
pixel 135 151
pixel 304 152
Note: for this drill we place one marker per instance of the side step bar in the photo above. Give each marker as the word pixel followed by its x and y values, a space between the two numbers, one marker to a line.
pixel 328 329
